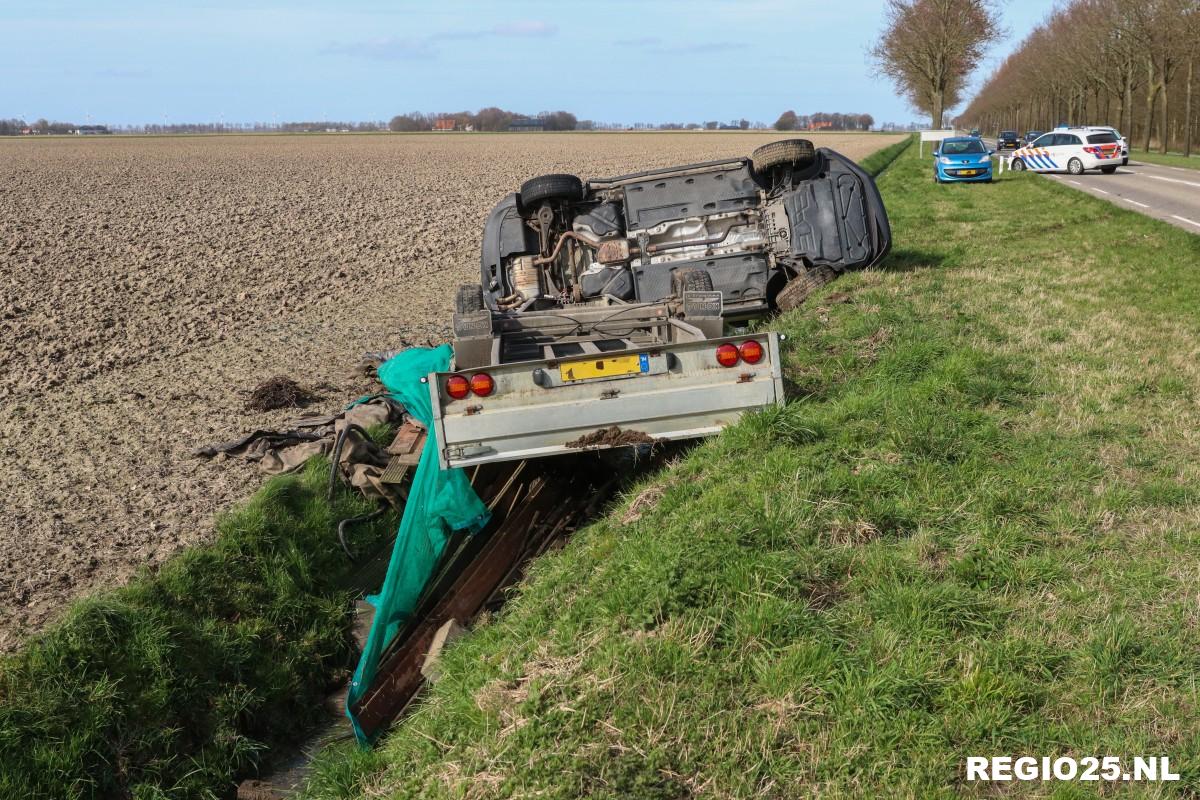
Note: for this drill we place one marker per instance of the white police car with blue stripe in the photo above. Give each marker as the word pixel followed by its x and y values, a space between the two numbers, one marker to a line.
pixel 1070 151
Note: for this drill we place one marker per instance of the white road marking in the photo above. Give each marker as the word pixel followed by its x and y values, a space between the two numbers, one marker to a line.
pixel 1101 191
pixel 1185 219
pixel 1135 202
pixel 1172 180
pixel 1179 169
pixel 1077 183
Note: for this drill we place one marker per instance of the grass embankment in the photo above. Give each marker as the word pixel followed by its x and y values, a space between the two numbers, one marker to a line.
pixel 973 532
pixel 1166 159
pixel 175 684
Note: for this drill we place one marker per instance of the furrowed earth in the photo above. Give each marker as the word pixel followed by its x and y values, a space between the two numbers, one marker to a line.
pixel 148 285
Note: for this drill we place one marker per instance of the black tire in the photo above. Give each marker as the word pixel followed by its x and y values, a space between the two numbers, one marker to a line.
pixel 797 153
pixel 469 298
pixel 801 287
pixel 690 280
pixel 1108 170
pixel 1017 165
pixel 556 187
pixel 1075 166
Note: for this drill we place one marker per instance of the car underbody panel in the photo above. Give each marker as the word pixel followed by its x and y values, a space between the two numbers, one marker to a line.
pixel 719 226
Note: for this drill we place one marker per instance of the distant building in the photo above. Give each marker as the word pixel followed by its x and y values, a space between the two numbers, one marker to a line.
pixel 526 125
pixel 445 124
pixel 91 130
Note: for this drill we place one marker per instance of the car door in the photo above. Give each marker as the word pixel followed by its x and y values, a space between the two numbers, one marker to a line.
pixel 1039 156
pixel 1066 147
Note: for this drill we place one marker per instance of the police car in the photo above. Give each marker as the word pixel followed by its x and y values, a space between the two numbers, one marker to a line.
pixel 1071 150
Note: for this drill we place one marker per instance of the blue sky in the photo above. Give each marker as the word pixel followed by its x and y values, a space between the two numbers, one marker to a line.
pixel 608 60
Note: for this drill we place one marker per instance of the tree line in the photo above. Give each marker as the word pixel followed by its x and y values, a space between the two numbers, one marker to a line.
pixel 485 119
pixel 12 127
pixel 1128 63
pixel 791 121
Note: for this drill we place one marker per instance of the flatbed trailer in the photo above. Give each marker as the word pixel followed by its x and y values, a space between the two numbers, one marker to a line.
pixel 597 376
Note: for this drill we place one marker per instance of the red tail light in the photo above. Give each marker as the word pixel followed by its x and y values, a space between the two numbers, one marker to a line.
pixel 482 384
pixel 457 387
pixel 751 352
pixel 728 355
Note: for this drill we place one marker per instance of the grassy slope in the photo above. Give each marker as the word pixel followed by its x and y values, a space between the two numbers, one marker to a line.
pixel 973 533
pixel 175 684
pixel 1170 159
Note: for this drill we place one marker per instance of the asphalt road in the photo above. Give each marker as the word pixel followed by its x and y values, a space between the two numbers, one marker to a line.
pixel 1171 194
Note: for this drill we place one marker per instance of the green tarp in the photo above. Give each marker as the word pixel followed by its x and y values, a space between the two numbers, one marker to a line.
pixel 439 501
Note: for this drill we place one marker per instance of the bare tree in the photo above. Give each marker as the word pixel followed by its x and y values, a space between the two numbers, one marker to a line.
pixel 930 47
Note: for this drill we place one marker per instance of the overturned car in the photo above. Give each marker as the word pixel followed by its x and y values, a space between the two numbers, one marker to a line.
pixel 764 231
pixel 602 317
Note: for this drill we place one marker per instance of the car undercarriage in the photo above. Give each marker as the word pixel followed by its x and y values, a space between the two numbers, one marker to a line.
pixel 763 231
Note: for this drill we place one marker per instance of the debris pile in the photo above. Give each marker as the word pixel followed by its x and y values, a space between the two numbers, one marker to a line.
pixel 279 392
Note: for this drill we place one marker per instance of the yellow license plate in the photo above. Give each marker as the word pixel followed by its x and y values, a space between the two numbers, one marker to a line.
pixel 966 172
pixel 604 367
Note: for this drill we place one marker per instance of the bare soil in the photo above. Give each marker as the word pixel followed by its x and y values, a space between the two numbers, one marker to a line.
pixel 148 285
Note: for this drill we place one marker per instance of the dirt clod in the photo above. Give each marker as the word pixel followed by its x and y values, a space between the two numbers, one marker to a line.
pixel 612 436
pixel 279 392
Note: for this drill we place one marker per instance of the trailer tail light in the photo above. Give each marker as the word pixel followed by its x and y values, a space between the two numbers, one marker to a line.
pixel 728 355
pixel 457 387
pixel 751 352
pixel 482 384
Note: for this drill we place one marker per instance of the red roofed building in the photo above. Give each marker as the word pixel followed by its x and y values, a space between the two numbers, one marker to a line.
pixel 445 124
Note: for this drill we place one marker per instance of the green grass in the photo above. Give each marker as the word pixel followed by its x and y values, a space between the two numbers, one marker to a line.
pixel 972 532
pixel 176 684
pixel 1168 159
pixel 878 161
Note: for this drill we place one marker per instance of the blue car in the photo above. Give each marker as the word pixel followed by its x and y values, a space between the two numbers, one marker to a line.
pixel 962 158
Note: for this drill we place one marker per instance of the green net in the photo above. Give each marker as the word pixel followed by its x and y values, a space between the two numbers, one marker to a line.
pixel 439 501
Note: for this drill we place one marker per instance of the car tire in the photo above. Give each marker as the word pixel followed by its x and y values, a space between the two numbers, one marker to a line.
pixel 1017 165
pixel 1108 170
pixel 1075 166
pixel 796 153
pixel 469 298
pixel 690 280
pixel 800 288
pixel 555 187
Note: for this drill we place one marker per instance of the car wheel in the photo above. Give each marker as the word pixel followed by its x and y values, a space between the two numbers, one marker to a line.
pixel 797 153
pixel 799 289
pixel 469 298
pixel 1075 166
pixel 1017 165
pixel 1108 170
pixel 690 280
pixel 551 187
